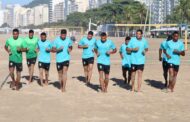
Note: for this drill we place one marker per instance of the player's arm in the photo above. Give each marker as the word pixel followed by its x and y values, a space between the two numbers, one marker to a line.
pixel 112 51
pixel 182 53
pixel 7 49
pixel 160 54
pixel 70 46
pixel 96 52
pixel 121 55
pixel 167 55
pixel 70 49
pixel 82 46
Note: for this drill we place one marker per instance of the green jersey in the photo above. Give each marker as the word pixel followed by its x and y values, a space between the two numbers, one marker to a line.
pixel 13 45
pixel 31 45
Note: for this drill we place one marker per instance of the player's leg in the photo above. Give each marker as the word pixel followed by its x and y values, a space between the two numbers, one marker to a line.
pixel 139 72
pixel 176 69
pixel 129 76
pixel 65 70
pixel 85 66
pixel 11 73
pixel 171 77
pixel 165 70
pixel 133 74
pixel 41 70
pixel 106 73
pixel 18 73
pixel 47 66
pixel 106 81
pixel 17 83
pixel 90 69
pixel 124 74
pixel 101 77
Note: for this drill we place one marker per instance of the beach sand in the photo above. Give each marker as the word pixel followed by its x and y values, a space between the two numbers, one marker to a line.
pixel 80 103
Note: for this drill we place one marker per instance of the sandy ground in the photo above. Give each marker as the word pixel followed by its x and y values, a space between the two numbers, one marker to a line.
pixel 86 104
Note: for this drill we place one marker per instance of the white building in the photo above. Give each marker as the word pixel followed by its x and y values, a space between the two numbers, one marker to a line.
pixel 160 9
pixel 41 15
pixel 98 3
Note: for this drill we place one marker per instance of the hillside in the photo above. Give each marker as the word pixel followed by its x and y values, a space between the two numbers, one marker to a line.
pixel 36 3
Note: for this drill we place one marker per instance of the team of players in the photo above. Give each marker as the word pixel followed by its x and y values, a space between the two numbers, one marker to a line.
pixel 132 52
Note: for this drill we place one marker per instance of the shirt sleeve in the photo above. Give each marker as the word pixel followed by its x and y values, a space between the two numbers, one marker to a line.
pixel 130 45
pixel 7 43
pixel 50 45
pixel 161 46
pixel 70 43
pixel 166 46
pixel 81 43
pixel 120 50
pixel 24 44
pixel 146 44
pixel 182 47
pixel 96 45
pixel 113 45
pixel 54 45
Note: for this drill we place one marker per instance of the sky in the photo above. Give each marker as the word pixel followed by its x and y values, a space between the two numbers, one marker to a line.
pixel 22 2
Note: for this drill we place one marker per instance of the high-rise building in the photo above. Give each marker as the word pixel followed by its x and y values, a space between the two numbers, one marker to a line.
pixel 98 3
pixel 160 9
pixel 41 14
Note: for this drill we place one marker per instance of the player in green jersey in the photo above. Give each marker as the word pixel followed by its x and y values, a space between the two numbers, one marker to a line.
pixel 14 47
pixel 31 43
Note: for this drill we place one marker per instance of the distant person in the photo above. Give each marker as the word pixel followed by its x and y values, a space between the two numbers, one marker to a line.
pixel 62 46
pixel 88 45
pixel 44 58
pixel 14 47
pixel 104 48
pixel 31 43
pixel 173 50
pixel 163 58
pixel 138 47
pixel 126 60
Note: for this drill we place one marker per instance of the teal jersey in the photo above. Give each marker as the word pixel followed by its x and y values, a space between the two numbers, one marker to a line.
pixel 170 47
pixel 88 52
pixel 44 56
pixel 138 58
pixel 64 54
pixel 102 48
pixel 126 61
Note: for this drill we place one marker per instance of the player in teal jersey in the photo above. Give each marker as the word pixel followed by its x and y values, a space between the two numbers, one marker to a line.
pixel 103 49
pixel 163 58
pixel 63 46
pixel 88 45
pixel 44 58
pixel 173 50
pixel 126 60
pixel 138 47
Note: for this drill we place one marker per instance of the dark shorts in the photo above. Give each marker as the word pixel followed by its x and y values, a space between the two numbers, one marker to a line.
pixel 175 67
pixel 165 65
pixel 126 68
pixel 135 67
pixel 62 64
pixel 18 66
pixel 31 61
pixel 104 68
pixel 88 61
pixel 45 66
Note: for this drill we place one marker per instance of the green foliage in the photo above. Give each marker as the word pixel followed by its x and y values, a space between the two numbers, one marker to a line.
pixel 121 11
pixel 36 3
pixel 181 14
